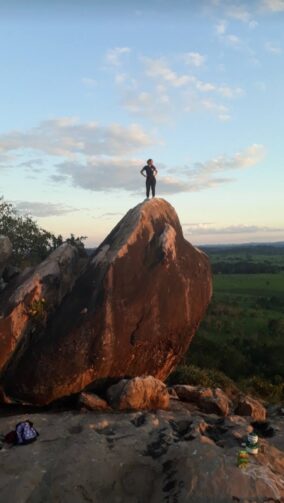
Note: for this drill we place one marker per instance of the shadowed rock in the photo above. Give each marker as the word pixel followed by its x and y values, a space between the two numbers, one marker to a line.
pixel 132 312
pixel 248 406
pixel 5 253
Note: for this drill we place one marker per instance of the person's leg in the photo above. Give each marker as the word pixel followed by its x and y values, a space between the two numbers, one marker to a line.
pixel 153 187
pixel 148 184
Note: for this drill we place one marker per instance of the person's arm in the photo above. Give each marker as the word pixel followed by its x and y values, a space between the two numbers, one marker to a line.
pixel 142 171
pixel 155 171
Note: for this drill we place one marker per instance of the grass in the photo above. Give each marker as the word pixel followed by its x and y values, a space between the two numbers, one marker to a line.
pixel 242 335
pixel 249 284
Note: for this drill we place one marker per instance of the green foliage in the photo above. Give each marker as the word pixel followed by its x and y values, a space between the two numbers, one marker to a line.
pixel 242 334
pixel 272 392
pixel 191 374
pixel 37 310
pixel 31 243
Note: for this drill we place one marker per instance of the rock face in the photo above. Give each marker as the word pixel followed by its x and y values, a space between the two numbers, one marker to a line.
pixel 138 394
pixel 24 311
pixel 132 312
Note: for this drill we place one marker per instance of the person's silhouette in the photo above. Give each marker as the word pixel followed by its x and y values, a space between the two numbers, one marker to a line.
pixel 150 172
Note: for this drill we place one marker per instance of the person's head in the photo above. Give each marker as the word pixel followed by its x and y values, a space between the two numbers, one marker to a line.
pixel 150 162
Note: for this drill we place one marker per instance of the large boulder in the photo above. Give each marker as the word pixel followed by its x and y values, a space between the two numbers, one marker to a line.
pixel 139 393
pixel 132 312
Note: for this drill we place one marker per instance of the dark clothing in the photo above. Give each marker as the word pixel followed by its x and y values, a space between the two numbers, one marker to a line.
pixel 150 179
pixel 149 170
pixel 150 184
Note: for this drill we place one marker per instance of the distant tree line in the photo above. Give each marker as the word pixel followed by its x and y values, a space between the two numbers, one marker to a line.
pixel 31 243
pixel 245 267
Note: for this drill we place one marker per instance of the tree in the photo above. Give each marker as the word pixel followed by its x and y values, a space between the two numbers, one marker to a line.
pixel 31 243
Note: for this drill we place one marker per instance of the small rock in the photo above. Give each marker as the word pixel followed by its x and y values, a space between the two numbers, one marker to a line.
pixel 139 393
pixel 248 406
pixel 187 393
pixel 212 401
pixel 217 403
pixel 92 401
pixel 173 394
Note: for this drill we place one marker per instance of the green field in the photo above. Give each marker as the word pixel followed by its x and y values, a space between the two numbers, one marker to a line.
pixel 242 334
pixel 249 284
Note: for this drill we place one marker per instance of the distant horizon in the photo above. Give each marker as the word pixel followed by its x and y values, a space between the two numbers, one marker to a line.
pixel 90 90
pixel 280 243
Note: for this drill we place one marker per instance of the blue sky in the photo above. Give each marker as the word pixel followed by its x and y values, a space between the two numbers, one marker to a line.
pixel 91 89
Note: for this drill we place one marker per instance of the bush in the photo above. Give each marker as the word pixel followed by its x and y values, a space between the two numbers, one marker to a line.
pixel 273 393
pixel 190 374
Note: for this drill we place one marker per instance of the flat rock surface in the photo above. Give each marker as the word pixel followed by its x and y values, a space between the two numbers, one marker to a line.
pixel 137 457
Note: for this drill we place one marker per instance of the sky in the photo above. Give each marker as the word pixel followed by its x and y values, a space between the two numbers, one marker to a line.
pixel 90 89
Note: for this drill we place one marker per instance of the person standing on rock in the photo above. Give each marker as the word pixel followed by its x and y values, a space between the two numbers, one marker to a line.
pixel 150 172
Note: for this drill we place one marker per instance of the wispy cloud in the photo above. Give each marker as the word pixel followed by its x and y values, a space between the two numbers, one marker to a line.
pixel 208 229
pixel 158 68
pixel 41 209
pixel 66 137
pixel 114 56
pixel 273 5
pixel 273 48
pixel 101 173
pixel 194 59
pixel 155 105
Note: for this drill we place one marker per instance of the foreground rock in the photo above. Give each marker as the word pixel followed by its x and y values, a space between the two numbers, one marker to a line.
pixel 248 406
pixel 132 312
pixel 138 394
pixel 92 402
pixel 168 456
pixel 213 401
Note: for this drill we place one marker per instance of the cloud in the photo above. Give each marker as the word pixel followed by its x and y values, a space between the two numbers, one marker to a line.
pixel 67 137
pixel 194 59
pixel 241 13
pixel 221 27
pixel 114 56
pixel 208 229
pixel 273 5
pixel 155 105
pixel 100 173
pixel 222 112
pixel 40 209
pixel 272 48
pixel 158 68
